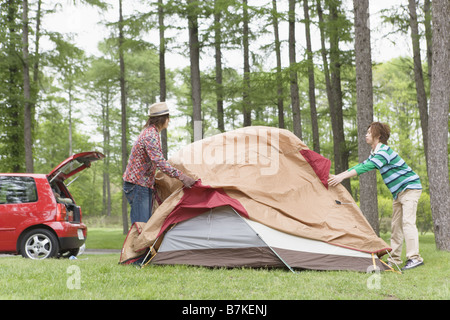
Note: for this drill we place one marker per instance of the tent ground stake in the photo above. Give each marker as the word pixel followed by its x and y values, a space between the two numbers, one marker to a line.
pixel 399 270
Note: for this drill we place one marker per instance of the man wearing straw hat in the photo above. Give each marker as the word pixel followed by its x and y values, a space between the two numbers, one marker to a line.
pixel 146 156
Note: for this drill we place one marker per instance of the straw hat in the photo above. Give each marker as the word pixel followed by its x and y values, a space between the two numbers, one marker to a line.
pixel 159 109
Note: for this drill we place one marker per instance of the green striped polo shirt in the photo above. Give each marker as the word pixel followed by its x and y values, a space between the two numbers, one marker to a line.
pixel 396 174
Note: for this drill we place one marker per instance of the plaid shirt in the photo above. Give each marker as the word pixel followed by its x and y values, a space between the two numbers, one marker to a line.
pixel 146 156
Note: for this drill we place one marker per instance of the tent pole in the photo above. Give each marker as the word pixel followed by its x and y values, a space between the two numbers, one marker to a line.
pixel 148 253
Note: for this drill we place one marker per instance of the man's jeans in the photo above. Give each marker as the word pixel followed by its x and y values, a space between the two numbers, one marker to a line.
pixel 140 200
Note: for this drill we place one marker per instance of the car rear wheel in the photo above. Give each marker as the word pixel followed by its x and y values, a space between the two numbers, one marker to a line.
pixel 39 244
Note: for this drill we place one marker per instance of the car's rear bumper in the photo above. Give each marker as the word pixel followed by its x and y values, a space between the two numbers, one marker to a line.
pixel 70 243
pixel 70 235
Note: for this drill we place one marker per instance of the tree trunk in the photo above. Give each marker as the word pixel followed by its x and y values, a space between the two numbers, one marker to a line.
pixel 418 74
pixel 438 125
pixel 246 104
pixel 280 102
pixel 106 150
pixel 218 58
pixel 323 51
pixel 337 122
pixel 123 102
pixel 162 69
pixel 108 160
pixel 364 102
pixel 311 80
pixel 35 84
pixel 194 54
pixel 37 41
pixel 27 93
pixel 295 97
pixel 428 35
pixel 70 118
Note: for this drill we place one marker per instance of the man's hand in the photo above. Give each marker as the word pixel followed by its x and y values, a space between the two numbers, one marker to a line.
pixel 187 181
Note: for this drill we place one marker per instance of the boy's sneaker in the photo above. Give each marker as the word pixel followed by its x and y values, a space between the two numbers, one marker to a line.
pixel 413 263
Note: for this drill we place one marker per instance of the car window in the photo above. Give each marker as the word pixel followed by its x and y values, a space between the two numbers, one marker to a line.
pixel 17 190
pixel 71 166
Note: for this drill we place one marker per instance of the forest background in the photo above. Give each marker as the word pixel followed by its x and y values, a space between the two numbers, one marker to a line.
pixel 227 63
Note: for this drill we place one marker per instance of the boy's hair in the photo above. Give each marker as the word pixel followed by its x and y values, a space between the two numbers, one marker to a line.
pixel 380 130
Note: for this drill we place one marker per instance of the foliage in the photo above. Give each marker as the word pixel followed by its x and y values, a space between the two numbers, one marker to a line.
pixel 395 103
pixel 12 153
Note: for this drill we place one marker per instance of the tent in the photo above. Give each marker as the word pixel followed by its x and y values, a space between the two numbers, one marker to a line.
pixel 261 200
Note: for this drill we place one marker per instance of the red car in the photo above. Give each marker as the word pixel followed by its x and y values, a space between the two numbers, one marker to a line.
pixel 38 216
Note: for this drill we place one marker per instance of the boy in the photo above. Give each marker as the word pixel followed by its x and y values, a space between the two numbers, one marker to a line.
pixel 405 187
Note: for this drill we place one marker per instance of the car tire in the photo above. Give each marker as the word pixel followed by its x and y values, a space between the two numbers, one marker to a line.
pixel 39 244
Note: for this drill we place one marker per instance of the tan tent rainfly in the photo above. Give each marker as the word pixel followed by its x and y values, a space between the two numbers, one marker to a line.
pixel 262 200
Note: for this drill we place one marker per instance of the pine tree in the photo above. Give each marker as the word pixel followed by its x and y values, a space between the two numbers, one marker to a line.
pixel 364 101
pixel 438 125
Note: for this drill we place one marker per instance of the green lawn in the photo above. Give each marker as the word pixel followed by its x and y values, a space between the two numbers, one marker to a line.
pixel 105 238
pixel 101 277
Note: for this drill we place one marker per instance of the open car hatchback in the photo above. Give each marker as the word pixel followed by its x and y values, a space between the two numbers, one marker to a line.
pixel 38 216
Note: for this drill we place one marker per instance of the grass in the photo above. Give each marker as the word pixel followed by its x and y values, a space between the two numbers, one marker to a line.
pixel 105 238
pixel 100 277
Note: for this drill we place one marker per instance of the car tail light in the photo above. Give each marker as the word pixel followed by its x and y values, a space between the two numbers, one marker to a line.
pixel 69 215
pixel 61 212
